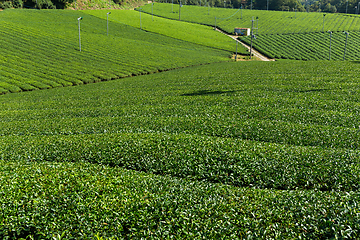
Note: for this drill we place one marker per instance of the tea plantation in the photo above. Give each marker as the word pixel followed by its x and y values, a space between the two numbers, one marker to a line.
pixel 269 22
pixel 262 150
pixel 309 46
pixel 40 50
pixel 185 31
pixel 286 35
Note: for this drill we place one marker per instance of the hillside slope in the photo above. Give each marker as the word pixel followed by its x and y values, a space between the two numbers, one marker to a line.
pixel 278 34
pixel 265 22
pixel 42 50
pixel 190 32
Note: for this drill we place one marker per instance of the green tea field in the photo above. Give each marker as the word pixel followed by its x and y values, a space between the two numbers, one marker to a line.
pixel 281 35
pixel 269 22
pixel 309 46
pixel 195 33
pixel 246 149
pixel 154 134
pixel 41 50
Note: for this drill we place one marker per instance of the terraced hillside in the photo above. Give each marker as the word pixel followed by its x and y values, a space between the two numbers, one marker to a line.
pixel 310 46
pixel 232 150
pixel 40 50
pixel 269 22
pixel 288 35
pixel 195 33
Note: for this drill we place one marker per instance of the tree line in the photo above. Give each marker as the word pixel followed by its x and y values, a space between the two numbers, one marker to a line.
pixel 342 6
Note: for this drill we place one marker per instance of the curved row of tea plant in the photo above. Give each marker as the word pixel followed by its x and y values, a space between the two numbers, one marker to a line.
pixel 310 115
pixel 79 200
pixel 288 35
pixel 185 31
pixel 311 46
pixel 269 22
pixel 282 125
pixel 214 159
pixel 40 49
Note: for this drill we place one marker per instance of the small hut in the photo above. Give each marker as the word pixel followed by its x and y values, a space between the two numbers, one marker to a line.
pixel 242 31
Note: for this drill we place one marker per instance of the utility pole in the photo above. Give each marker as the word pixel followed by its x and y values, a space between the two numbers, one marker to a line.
pixel 79 19
pixel 330 45
pixel 267 5
pixel 347 34
pixel 347 2
pixel 323 22
pixel 236 50
pixel 140 18
pixel 251 33
pixel 107 23
pixel 180 10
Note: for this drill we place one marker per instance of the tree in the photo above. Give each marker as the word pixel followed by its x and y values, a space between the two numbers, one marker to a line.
pixel 329 8
pixel 278 5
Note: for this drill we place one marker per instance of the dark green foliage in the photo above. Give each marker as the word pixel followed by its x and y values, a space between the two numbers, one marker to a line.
pixel 11 4
pixel 278 5
pixel 18 3
pixel 45 4
pixel 248 4
pixel 82 201
pixel 61 4
pixel 251 125
pixel 261 150
pixel 236 162
pixel 5 5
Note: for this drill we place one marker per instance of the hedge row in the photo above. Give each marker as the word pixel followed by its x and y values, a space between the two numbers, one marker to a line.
pixel 311 46
pixel 266 22
pixel 53 200
pixel 236 162
pixel 41 50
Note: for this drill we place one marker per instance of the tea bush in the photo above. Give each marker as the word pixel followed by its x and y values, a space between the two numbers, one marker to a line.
pixel 41 50
pixel 266 22
pixel 194 33
pixel 237 150
pixel 287 35
pixel 311 46
pixel 79 200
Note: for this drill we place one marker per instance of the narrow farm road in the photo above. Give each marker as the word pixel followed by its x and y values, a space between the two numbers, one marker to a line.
pixel 256 53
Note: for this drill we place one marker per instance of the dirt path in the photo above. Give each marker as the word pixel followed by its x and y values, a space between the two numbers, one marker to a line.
pixel 256 53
